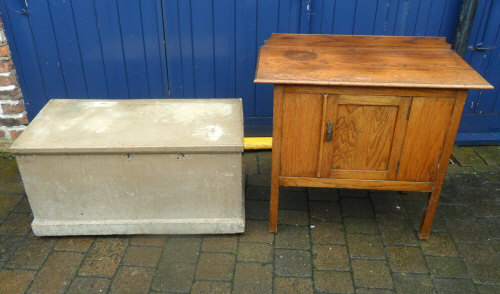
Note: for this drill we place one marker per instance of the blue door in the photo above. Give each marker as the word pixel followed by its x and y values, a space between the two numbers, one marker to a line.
pixel 480 122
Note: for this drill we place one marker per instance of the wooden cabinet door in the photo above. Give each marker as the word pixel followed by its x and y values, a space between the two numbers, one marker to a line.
pixel 363 136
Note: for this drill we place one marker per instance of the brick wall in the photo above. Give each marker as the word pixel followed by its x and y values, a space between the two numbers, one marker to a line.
pixel 13 119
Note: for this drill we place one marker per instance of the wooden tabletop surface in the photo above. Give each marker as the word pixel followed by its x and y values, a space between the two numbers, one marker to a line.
pixel 379 61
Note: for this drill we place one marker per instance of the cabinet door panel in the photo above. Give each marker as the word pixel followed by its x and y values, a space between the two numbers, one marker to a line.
pixel 363 144
pixel 300 134
pixel 427 127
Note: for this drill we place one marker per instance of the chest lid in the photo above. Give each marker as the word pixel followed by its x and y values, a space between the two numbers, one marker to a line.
pixel 83 126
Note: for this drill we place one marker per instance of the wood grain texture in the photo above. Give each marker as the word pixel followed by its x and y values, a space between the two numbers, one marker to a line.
pixel 425 136
pixel 312 40
pixel 356 184
pixel 370 91
pixel 374 65
pixel 300 134
pixel 432 202
pixel 276 158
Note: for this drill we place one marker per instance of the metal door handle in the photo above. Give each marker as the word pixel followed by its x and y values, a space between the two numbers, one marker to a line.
pixel 329 131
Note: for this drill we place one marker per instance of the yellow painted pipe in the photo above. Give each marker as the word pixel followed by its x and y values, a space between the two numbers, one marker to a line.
pixel 258 143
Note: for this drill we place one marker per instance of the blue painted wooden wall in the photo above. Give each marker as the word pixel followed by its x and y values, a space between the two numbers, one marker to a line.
pixel 194 48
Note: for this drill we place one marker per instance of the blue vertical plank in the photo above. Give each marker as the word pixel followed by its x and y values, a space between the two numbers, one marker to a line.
pixel 343 20
pixel 305 10
pixel 203 47
pixel 423 17
pixel 162 46
pixel 407 17
pixel 112 49
pixel 224 48
pixel 284 16
pixel 478 27
pixel 392 16
pixel 69 49
pixel 90 45
pixel 436 12
pixel 450 19
pixel 186 45
pixel 316 16
pixel 19 32
pixel 246 40
pixel 364 20
pixel 267 23
pixel 380 25
pixel 295 15
pixel 129 12
pixel 172 39
pixel 46 47
pixel 152 46
pixel 327 16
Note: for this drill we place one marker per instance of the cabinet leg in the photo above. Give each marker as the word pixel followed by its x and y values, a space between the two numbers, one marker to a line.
pixel 273 208
pixel 428 217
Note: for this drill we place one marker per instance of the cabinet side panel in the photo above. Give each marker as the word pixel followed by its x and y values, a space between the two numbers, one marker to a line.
pixel 427 127
pixel 301 132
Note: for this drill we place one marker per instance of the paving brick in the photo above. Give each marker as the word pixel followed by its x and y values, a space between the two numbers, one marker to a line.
pixel 466 156
pixel 485 207
pixel 257 210
pixel 9 173
pixel 12 188
pixel 223 243
pixel 322 194
pixel 257 231
pixel 255 252
pixel 134 280
pixel 285 285
pixel 491 154
pixel 488 289
pixel 327 233
pixel 8 245
pixel 369 246
pixel 330 257
pixel 264 159
pixel 353 193
pixel 324 211
pixel 454 286
pixel 182 249
pixel 467 231
pixel 292 263
pixel 356 207
pixel 142 255
pixel 249 161
pixel 455 212
pixel 373 291
pixel 416 209
pixel 176 277
pixel 7 204
pixel 387 202
pixel 444 266
pixel 31 253
pixel 482 261
pixel 74 243
pixel 259 180
pixel 439 244
pixel 413 283
pixel 333 282
pixel 23 206
pixel 209 287
pixel 253 278
pixel 292 200
pixel 15 281
pixel 258 193
pixel 361 226
pixel 371 273
pixel 292 237
pixel 406 259
pixel 293 217
pixel 104 257
pixel 16 224
pixel 57 273
pixel 215 266
pixel 84 285
pixel 396 230
pixel 148 240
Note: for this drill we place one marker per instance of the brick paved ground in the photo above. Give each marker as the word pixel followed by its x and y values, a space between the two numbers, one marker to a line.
pixel 338 241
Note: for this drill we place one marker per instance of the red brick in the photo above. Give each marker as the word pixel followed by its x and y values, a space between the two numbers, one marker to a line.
pixel 13 108
pixel 6 65
pixel 10 122
pixel 2 134
pixel 8 80
pixel 4 51
pixel 15 134
pixel 14 94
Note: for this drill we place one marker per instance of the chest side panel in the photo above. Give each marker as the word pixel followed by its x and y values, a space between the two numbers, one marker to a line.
pixel 300 134
pixel 428 125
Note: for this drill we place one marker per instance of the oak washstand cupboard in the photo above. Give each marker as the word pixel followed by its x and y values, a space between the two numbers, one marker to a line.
pixel 364 112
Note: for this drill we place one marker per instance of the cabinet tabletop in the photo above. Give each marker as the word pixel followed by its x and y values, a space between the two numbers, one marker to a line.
pixel 380 61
